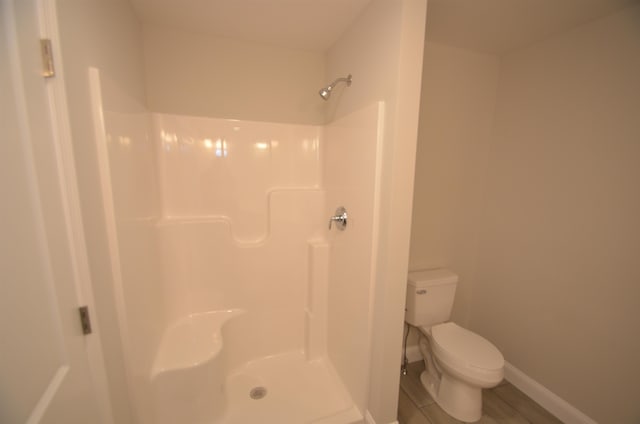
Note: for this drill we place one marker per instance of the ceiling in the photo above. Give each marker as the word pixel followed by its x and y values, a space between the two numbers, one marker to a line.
pixel 300 24
pixel 499 26
pixel 490 26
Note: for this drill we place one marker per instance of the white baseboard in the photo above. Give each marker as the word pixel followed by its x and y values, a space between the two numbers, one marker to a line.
pixel 368 419
pixel 553 403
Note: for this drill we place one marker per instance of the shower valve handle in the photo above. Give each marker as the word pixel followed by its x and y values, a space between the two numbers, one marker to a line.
pixel 340 218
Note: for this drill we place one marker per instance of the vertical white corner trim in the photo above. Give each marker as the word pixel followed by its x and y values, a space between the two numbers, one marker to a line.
pixel 368 419
pixel 95 94
pixel 553 403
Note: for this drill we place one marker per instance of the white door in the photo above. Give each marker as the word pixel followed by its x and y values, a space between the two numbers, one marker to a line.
pixel 45 375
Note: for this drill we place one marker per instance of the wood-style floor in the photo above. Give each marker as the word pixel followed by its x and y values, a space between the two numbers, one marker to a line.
pixel 503 404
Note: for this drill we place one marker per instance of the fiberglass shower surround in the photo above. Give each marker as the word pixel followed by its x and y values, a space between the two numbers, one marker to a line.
pixel 236 294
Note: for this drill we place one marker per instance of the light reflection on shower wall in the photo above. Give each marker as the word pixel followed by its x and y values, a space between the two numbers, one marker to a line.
pixel 241 201
pixel 225 168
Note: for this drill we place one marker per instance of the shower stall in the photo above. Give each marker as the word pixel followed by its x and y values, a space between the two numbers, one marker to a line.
pixel 256 261
pixel 225 266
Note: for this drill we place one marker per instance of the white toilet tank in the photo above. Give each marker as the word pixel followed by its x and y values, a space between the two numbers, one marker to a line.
pixel 430 296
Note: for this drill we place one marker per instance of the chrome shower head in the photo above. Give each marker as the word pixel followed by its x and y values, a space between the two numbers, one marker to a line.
pixel 325 92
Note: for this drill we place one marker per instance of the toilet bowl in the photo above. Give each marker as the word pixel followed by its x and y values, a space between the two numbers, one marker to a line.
pixel 458 365
pixel 458 362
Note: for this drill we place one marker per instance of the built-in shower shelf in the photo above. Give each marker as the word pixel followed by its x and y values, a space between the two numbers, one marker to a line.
pixel 191 341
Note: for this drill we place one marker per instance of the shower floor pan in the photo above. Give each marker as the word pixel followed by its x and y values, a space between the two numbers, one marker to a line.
pixel 191 384
pixel 288 389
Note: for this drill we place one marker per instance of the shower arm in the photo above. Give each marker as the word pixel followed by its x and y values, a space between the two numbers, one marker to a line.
pixel 346 79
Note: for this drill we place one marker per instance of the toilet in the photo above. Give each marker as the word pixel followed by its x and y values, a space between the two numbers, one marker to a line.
pixel 458 362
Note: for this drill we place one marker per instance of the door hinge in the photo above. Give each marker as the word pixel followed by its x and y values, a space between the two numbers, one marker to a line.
pixel 85 321
pixel 46 51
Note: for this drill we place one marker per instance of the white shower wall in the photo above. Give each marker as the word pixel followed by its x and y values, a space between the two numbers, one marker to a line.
pixel 352 161
pixel 241 203
pixel 225 167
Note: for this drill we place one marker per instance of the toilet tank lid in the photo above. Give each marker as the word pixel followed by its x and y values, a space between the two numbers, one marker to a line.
pixel 432 277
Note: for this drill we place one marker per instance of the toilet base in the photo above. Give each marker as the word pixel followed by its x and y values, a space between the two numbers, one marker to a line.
pixel 458 399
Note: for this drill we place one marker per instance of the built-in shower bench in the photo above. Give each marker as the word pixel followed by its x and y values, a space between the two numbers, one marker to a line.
pixel 189 369
pixel 191 341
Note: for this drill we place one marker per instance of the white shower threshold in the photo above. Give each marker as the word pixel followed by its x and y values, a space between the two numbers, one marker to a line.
pixel 295 391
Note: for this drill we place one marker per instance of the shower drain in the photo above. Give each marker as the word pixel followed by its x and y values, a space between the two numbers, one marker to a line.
pixel 258 392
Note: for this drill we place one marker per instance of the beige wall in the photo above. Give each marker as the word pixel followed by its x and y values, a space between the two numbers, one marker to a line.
pixel 104 34
pixel 199 75
pixel 456 117
pixel 383 51
pixel 554 232
pixel 558 285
